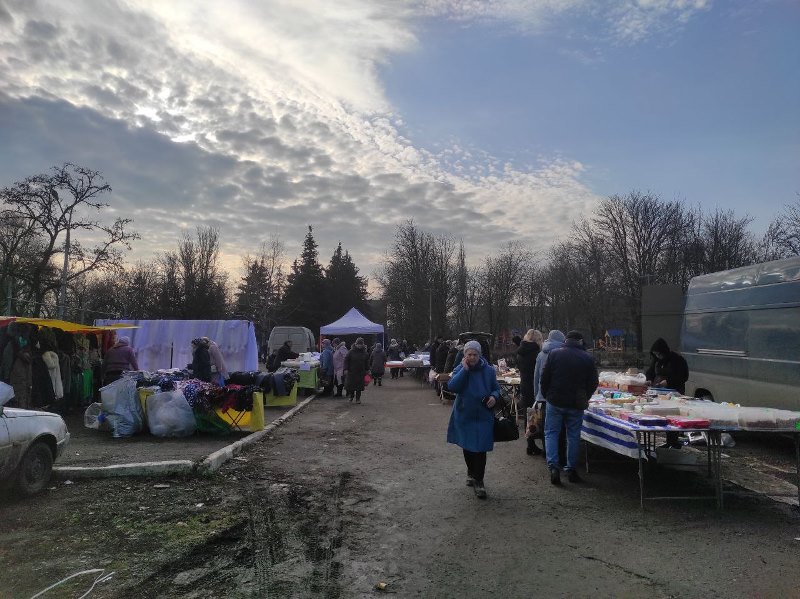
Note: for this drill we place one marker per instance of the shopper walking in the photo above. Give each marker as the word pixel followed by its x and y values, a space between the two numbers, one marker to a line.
pixel 569 378
pixel 393 354
pixel 326 369
pixel 377 364
pixel 356 363
pixel 471 425
pixel 528 351
pixel 555 339
pixel 338 367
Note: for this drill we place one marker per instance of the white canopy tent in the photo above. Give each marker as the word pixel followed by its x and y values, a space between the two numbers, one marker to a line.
pixel 352 323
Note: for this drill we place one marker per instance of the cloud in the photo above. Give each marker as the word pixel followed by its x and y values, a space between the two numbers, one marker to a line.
pixel 257 118
pixel 627 21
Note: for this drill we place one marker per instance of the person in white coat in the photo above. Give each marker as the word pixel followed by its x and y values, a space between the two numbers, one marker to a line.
pixel 51 361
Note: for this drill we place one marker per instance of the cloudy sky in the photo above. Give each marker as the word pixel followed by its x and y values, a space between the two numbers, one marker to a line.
pixel 491 120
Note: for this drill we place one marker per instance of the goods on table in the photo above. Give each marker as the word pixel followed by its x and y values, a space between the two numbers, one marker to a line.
pixel 685 422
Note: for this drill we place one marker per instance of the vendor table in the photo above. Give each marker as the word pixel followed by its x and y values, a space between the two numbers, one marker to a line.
pixel 308 373
pixel 509 385
pixel 639 442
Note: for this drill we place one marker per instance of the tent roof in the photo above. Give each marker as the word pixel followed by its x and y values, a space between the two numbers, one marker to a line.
pixel 352 323
pixel 64 325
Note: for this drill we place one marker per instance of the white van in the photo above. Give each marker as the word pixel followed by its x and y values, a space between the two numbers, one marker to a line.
pixel 741 335
pixel 302 339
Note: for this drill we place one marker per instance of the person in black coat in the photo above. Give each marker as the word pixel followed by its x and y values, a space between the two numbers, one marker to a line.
pixel 356 363
pixel 667 368
pixel 201 360
pixel 569 379
pixel 441 356
pixel 285 353
pixel 450 362
pixel 529 348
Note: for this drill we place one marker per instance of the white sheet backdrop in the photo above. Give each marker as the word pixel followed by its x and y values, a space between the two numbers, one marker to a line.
pixel 155 340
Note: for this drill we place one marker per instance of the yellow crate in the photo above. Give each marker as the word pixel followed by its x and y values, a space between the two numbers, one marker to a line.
pixel 247 420
pixel 279 401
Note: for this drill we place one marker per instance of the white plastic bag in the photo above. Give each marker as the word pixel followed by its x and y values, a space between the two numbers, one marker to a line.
pixel 170 415
pixel 95 418
pixel 122 407
pixel 6 393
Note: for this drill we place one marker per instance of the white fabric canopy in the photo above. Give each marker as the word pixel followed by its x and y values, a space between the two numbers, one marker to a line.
pixel 352 323
pixel 168 343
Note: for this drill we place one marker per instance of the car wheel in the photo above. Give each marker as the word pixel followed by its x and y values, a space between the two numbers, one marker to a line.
pixel 34 469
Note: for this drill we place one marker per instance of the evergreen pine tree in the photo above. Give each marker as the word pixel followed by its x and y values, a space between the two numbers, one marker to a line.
pixel 345 288
pixel 304 300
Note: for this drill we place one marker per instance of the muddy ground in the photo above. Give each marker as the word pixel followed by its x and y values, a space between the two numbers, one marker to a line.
pixel 346 496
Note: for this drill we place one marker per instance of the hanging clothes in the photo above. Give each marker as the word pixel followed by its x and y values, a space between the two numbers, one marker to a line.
pixel 51 360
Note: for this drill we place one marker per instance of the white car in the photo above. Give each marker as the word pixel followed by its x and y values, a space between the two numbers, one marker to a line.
pixel 30 441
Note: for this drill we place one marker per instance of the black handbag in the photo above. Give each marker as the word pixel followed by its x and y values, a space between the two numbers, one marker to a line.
pixel 505 426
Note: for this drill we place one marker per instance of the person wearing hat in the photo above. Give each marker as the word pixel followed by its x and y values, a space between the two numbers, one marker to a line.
pixel 218 368
pixel 356 364
pixel 555 339
pixel 201 360
pixel 119 358
pixel 471 425
pixel 326 367
pixel 569 379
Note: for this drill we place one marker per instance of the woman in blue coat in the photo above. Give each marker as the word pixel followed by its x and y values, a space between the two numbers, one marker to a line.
pixel 472 419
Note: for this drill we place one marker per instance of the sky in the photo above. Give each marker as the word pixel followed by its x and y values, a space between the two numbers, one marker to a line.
pixel 488 120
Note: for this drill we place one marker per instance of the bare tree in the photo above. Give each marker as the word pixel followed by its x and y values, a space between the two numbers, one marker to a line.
pixel 638 227
pixel 503 273
pixel 52 208
pixel 782 238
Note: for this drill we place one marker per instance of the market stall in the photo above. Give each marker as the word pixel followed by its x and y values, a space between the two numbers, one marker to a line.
pixel 626 417
pixel 352 323
pixel 307 365
pixel 53 364
pixel 170 403
pixel 164 344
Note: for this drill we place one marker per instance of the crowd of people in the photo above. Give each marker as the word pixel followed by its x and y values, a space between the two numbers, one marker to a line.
pixel 557 378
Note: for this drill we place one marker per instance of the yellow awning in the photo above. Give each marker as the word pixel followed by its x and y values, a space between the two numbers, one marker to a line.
pixel 65 325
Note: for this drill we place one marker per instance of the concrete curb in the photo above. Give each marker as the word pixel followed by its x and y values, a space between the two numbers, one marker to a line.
pixel 140 469
pixel 208 465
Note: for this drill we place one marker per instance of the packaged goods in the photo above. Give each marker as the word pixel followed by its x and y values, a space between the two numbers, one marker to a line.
pixel 786 419
pixel 756 418
pixel 661 409
pixel 686 422
pixel 647 420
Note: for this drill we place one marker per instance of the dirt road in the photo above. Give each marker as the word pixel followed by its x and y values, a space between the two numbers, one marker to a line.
pixel 346 496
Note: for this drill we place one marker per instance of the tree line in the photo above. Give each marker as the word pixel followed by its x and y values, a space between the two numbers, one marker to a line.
pixel 591 280
pixel 46 272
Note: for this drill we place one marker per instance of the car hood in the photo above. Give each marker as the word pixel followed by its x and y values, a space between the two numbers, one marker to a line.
pixel 20 413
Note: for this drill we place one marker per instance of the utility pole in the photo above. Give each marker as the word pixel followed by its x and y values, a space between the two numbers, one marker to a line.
pixel 62 294
pixel 430 313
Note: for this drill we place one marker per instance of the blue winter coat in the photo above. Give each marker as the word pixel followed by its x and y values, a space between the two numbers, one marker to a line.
pixel 326 361
pixel 540 361
pixel 471 422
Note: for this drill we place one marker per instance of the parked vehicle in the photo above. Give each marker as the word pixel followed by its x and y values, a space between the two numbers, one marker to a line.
pixel 485 339
pixel 302 339
pixel 741 335
pixel 30 441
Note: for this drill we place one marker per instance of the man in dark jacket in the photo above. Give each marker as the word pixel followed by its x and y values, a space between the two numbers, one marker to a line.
pixel 569 379
pixel 285 353
pixel 667 368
